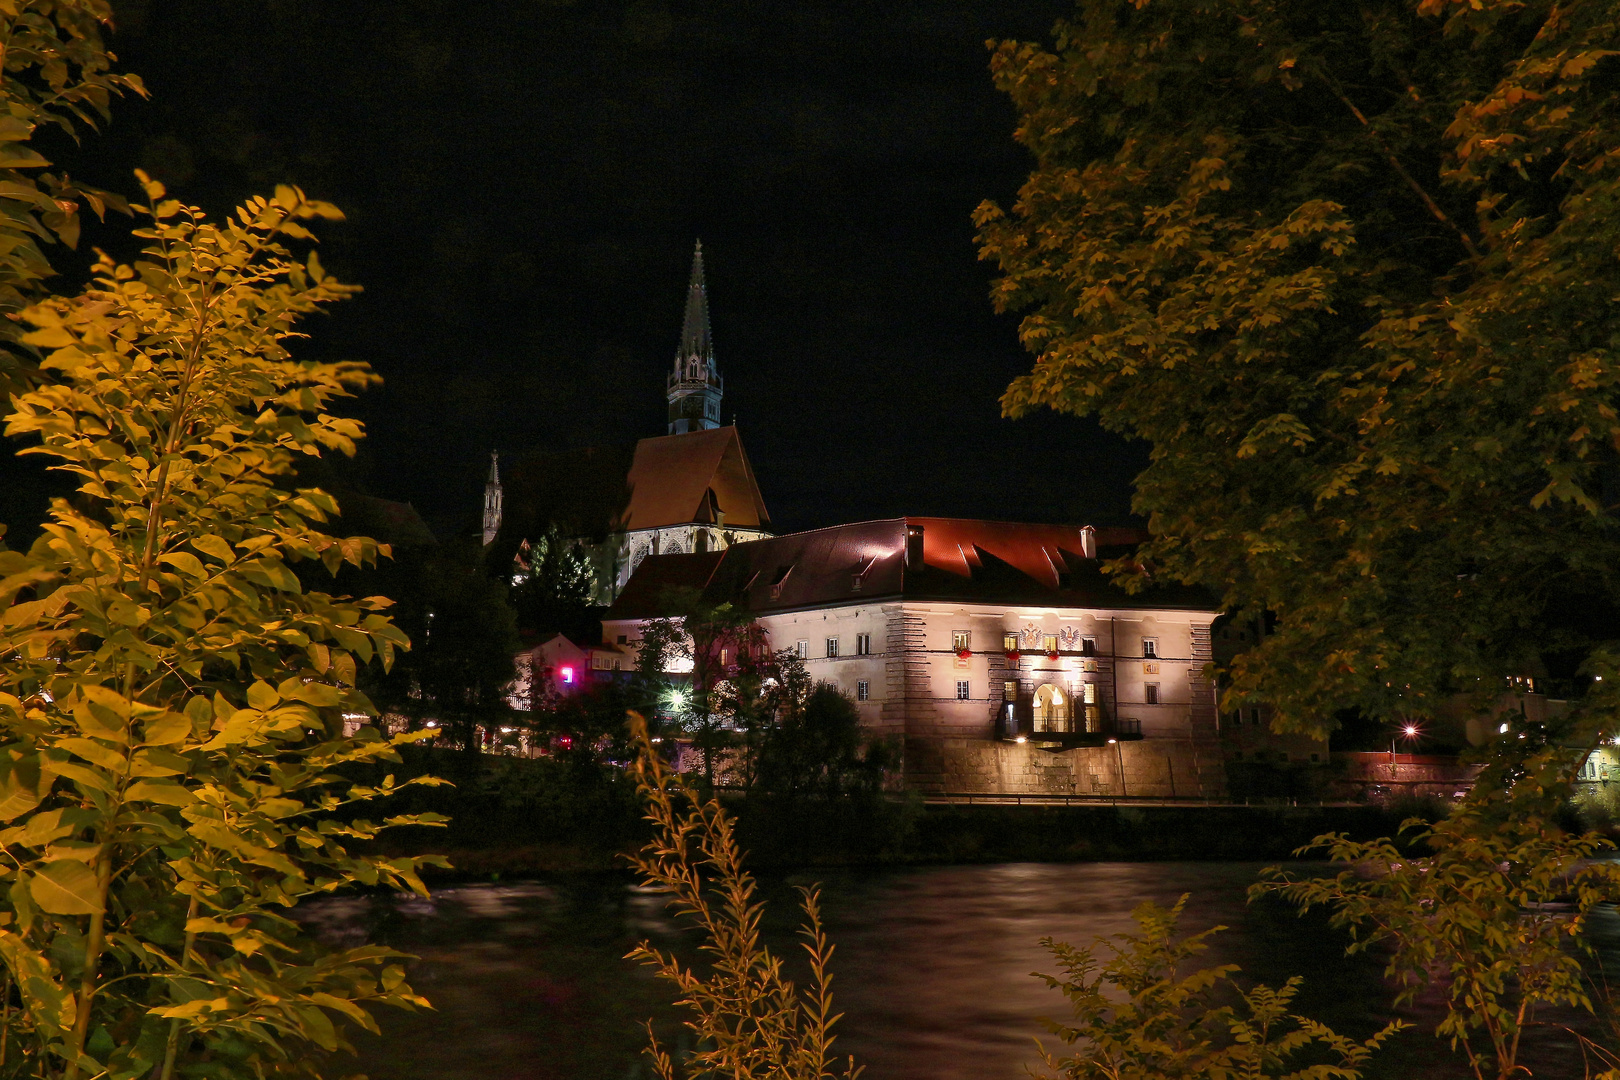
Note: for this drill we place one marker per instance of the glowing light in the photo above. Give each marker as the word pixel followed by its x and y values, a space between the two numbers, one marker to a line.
pixel 507 730
pixel 1111 742
pixel 432 723
pixel 1020 739
pixel 1411 731
pixel 1502 730
pixel 567 674
pixel 1597 678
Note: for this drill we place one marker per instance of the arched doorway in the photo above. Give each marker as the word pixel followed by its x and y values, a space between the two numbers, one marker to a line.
pixel 1051 709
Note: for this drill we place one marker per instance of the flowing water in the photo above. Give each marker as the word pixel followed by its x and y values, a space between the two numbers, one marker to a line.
pixel 932 969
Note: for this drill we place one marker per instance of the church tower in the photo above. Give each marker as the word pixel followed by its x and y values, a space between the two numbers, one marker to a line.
pixel 492 499
pixel 694 385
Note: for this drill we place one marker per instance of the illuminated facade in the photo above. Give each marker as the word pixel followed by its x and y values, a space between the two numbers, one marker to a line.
pixel 997 654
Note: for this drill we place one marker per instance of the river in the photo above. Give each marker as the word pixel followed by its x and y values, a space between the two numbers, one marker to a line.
pixel 932 969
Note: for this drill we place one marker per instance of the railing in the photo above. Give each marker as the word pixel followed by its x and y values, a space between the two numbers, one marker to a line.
pixel 971 798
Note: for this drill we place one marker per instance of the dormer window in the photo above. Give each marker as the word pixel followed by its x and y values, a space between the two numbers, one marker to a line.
pixel 782 573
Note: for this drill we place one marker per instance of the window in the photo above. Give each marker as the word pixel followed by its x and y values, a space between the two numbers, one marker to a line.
pixel 1150 647
pixel 1009 690
pixel 863 690
pixel 863 644
pixel 832 647
pixel 1088 693
pixel 776 582
pixel 1150 693
pixel 802 649
pixel 599 662
pixel 1009 642
pixel 963 690
pixel 1088 645
pixel 1315 758
pixel 1254 716
pixel 725 657
pixel 624 639
pixel 959 640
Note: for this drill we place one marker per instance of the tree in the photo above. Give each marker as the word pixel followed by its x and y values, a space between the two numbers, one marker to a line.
pixel 465 630
pixel 813 743
pixel 172 700
pixel 1348 268
pixel 55 71
pixel 557 589
pixel 714 638
pixel 1487 916
pixel 1138 1017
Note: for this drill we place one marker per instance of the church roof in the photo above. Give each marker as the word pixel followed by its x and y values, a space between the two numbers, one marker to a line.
pixel 949 559
pixel 699 477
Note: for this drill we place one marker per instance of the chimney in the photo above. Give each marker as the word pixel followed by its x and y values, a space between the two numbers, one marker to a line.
pixel 914 546
pixel 1088 542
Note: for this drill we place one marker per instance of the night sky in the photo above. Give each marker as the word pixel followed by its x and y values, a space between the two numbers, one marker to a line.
pixel 524 181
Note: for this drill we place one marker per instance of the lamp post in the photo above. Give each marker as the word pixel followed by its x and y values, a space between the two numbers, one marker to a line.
pixel 1409 732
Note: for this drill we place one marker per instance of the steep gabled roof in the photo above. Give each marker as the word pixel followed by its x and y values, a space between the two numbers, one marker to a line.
pixel 698 477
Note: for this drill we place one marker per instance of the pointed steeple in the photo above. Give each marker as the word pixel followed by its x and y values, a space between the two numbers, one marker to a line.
pixel 694 386
pixel 695 340
pixel 492 499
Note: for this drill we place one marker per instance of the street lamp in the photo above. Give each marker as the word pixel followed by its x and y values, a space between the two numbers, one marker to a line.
pixel 1410 733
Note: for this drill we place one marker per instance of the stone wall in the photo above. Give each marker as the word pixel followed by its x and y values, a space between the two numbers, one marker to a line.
pixel 1153 768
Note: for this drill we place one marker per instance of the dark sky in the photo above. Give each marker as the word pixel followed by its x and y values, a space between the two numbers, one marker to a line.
pixel 524 180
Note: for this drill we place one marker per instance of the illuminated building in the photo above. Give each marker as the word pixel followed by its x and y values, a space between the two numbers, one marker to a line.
pixel 998 654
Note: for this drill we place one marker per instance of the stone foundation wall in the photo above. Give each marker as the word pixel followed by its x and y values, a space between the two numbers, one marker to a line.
pixel 1153 768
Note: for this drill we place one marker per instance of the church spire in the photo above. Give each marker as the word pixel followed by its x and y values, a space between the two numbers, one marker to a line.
pixel 694 386
pixel 695 339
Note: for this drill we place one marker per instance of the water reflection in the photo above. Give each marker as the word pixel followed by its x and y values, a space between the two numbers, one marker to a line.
pixel 932 969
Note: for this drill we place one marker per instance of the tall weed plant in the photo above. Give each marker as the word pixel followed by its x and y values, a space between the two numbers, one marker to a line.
pixel 748 1021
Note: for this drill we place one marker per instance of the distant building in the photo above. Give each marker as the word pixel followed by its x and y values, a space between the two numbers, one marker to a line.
pixel 998 654
pixel 690 490
pixel 564 665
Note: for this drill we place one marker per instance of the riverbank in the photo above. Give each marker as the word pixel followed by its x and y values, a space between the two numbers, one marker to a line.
pixel 513 817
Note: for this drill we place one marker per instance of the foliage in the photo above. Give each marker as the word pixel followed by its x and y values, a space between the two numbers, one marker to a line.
pixel 814 744
pixel 172 701
pixel 1349 269
pixel 592 718
pixel 557 589
pixel 1484 914
pixel 1167 1026
pixel 55 71
pixel 749 1020
pixel 466 637
pixel 717 640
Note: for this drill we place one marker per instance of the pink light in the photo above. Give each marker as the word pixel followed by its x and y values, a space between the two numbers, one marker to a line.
pixel 567 674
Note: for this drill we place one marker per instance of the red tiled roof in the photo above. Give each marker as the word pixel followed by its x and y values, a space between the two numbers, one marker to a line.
pixel 960 559
pixel 695 477
pixel 645 595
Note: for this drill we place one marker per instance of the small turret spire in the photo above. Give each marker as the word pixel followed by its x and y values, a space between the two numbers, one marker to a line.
pixel 492 499
pixel 694 386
